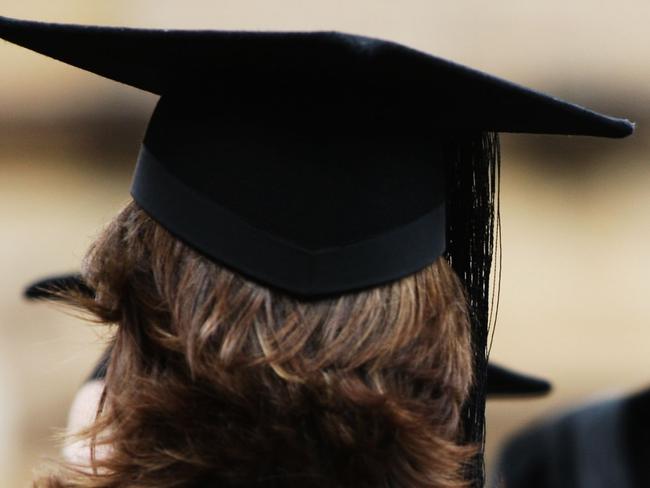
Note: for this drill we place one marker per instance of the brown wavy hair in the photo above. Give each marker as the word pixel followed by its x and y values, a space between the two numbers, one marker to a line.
pixel 215 380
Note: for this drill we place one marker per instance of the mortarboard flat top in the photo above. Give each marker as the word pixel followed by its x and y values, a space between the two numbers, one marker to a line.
pixel 434 90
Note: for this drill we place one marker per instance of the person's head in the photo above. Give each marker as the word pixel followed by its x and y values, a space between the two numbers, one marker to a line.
pixel 215 378
pixel 316 162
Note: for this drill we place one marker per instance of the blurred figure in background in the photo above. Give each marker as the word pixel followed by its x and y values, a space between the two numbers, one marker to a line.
pixel 602 444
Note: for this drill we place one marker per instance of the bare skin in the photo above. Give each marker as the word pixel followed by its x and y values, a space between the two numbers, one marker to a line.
pixel 82 413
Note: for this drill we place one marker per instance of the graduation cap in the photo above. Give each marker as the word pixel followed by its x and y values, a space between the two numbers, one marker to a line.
pixel 502 382
pixel 320 163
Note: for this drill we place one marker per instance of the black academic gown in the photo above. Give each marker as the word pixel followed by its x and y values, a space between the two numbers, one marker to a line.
pixel 601 445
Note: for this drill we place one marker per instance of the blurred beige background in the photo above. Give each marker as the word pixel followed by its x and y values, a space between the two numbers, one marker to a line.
pixel 575 218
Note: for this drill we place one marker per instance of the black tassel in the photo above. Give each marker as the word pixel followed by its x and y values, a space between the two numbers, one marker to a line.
pixel 472 243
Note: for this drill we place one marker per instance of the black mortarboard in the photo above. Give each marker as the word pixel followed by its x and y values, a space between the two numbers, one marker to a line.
pixel 501 382
pixel 320 162
pixel 504 382
pixel 49 287
pixel 310 161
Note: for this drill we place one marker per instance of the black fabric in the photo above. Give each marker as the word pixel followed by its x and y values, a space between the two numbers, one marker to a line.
pixel 403 80
pixel 505 382
pixel 322 140
pixel 636 432
pixel 223 235
pixel 599 445
pixel 539 457
pixel 315 181
pixel 336 199
pixel 47 288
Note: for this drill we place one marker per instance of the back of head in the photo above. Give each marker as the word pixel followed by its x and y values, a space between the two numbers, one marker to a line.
pixel 215 380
